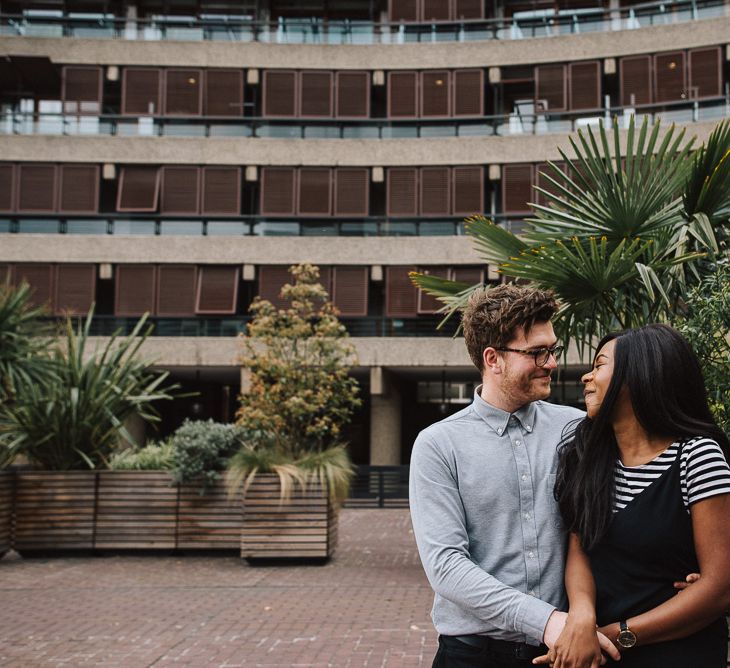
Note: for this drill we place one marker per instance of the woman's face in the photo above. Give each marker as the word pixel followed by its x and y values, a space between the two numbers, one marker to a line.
pixel 598 379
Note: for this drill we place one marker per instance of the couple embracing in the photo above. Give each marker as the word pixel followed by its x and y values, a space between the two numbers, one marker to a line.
pixel 557 537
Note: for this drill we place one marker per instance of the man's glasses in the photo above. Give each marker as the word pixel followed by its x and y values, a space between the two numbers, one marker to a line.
pixel 540 355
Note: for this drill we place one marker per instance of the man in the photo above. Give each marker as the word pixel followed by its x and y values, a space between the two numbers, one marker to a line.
pixel 481 492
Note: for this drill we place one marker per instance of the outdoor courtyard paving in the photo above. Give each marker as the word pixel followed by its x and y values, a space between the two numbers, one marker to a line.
pixel 368 607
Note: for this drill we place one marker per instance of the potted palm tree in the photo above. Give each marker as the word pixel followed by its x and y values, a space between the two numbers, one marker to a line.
pixel 293 467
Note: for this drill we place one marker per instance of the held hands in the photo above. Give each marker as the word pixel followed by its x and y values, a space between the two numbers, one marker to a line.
pixel 575 643
pixel 692 577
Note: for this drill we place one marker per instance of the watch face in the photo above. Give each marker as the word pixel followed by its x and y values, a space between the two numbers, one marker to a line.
pixel 626 638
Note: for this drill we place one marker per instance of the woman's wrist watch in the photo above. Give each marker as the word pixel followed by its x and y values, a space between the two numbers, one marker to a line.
pixel 626 637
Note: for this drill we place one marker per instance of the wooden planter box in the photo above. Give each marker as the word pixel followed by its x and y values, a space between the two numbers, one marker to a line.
pixel 302 527
pixel 6 510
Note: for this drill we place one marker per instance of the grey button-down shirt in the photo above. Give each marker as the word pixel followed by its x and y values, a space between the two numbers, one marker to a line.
pixel 486 522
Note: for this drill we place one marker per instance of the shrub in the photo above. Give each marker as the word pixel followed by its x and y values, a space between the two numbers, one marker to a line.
pixel 153 457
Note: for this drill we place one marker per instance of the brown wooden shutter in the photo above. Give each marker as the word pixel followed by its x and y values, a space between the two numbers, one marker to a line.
pixel 217 290
pixel 223 93
pixel 468 9
pixel 427 303
pixel 221 191
pixel 182 92
pixel 139 188
pixel 75 288
pixel 280 94
pixel 81 89
pixel 37 191
pixel 180 190
pixel 352 91
pixel 402 191
pixel 403 10
pixel 550 86
pixel 39 278
pixel 352 186
pixel 636 80
pixel 271 279
pixel 277 191
pixel 350 290
pixel 585 85
pixel 401 296
pixel 435 93
pixel 141 91
pixel 315 94
pixel 435 10
pixel 314 197
pixel 325 279
pixel 136 287
pixel 6 274
pixel 468 88
pixel 435 191
pixel 670 77
pixel 7 187
pixel 468 275
pixel 705 72
pixel 517 188
pixel 541 180
pixel 79 189
pixel 403 94
pixel 176 286
pixel 468 191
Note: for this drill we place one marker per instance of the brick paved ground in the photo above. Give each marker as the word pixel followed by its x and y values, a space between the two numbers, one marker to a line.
pixel 367 607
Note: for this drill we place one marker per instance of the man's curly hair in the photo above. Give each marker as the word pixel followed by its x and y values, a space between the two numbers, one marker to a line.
pixel 493 315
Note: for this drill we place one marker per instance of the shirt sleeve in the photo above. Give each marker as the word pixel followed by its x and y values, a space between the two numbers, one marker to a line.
pixel 439 525
pixel 705 471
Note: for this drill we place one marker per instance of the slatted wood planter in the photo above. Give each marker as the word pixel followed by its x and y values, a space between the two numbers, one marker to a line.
pixel 210 521
pixel 6 510
pixel 302 527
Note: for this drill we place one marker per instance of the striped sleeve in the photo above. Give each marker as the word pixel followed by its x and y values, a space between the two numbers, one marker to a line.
pixel 705 471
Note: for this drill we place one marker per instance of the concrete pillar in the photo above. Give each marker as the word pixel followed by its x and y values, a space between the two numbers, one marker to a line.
pixel 385 418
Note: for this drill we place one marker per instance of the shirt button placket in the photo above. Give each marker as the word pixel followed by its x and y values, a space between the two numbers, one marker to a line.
pixel 527 504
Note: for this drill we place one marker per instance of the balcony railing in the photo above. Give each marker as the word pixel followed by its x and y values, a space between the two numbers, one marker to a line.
pixel 14 122
pixel 523 25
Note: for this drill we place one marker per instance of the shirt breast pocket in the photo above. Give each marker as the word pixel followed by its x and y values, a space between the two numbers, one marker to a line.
pixel 551 504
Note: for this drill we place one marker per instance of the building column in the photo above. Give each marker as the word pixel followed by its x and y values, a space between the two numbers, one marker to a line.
pixel 385 418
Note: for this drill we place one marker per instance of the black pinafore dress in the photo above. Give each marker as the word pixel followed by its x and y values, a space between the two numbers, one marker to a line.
pixel 648 546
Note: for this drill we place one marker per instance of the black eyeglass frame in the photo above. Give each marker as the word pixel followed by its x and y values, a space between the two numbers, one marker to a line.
pixel 555 351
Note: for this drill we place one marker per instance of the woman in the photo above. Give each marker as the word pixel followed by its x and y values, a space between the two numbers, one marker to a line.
pixel 644 490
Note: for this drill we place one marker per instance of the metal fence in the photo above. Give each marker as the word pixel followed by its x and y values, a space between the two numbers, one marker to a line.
pixel 379 487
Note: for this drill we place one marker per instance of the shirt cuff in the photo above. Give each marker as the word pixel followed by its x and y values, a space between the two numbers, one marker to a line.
pixel 533 618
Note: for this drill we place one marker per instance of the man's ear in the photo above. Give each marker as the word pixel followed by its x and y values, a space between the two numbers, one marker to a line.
pixel 490 358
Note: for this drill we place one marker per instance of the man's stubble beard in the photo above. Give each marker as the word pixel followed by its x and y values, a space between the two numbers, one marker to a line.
pixel 521 389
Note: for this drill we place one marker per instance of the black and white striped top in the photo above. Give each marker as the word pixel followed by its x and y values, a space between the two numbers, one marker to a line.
pixel 704 472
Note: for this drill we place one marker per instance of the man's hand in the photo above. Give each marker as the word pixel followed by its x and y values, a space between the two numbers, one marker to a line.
pixel 692 577
pixel 577 644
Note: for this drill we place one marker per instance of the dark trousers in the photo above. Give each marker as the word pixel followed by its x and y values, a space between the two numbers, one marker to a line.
pixel 453 653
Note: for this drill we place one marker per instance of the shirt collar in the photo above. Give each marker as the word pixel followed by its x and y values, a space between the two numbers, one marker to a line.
pixel 497 419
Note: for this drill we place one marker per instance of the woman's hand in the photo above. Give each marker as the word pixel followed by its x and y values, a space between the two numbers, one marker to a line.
pixel 577 646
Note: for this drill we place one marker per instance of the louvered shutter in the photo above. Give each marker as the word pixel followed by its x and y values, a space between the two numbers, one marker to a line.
pixel 271 280
pixel 223 93
pixel 468 190
pixel 585 85
pixel 401 296
pixel 136 287
pixel 350 290
pixel 435 93
pixel 402 191
pixel 139 188
pixel 541 180
pixel 7 187
pixel 435 191
pixel 81 90
pixel 221 191
pixel 705 72
pixel 435 10
pixel 550 86
pixel 75 288
pixel 670 77
pixel 468 9
pixel 352 187
pixel 180 190
pixel 176 286
pixel 315 94
pixel 468 275
pixel 217 290
pixel 37 191
pixel 79 189
pixel 141 91
pixel 403 94
pixel 468 88
pixel 315 192
pixel 427 303
pixel 517 188
pixel 352 91
pixel 39 278
pixel 280 98
pixel 182 92
pixel 325 279
pixel 403 10
pixel 6 274
pixel 636 81
pixel 277 191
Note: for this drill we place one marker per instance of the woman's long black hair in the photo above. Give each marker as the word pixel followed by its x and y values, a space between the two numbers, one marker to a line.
pixel 667 391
